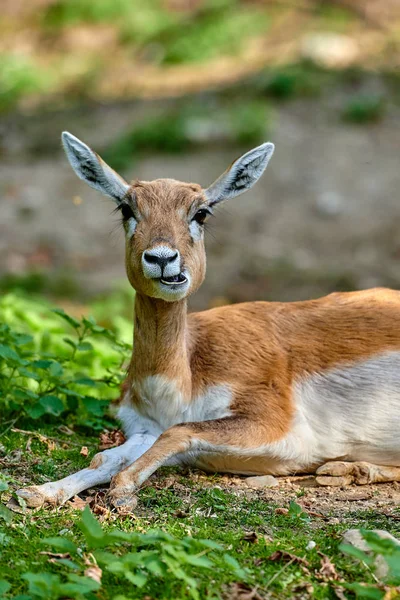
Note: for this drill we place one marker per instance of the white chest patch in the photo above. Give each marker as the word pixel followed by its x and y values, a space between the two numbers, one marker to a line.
pixel 163 402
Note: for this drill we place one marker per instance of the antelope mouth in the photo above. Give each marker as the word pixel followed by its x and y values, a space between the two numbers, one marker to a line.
pixel 175 280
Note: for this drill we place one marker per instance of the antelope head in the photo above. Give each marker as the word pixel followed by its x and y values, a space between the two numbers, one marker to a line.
pixel 164 219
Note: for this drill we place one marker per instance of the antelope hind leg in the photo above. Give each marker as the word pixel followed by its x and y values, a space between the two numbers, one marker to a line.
pixel 220 436
pixel 338 473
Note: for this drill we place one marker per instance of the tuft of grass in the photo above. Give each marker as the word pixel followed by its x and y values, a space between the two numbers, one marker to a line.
pixel 364 109
pixel 19 77
pixel 297 80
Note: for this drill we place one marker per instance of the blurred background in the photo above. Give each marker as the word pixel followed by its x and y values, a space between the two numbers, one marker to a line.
pixel 179 88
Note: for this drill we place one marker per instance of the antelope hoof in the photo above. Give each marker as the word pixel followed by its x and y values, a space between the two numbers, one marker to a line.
pixel 33 497
pixel 123 500
pixel 37 495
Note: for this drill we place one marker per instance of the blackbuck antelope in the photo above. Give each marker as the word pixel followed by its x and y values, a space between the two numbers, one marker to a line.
pixel 254 388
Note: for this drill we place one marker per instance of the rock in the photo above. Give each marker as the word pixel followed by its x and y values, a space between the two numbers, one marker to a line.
pixel 332 50
pixel 311 545
pixel 261 481
pixel 354 538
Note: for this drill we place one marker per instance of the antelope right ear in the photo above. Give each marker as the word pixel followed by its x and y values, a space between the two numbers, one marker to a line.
pixel 91 168
pixel 241 175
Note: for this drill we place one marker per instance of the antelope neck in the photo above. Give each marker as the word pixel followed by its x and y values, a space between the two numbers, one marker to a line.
pixel 160 341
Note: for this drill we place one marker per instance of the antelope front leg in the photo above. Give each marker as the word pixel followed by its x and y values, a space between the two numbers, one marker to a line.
pixel 103 466
pixel 338 473
pixel 227 435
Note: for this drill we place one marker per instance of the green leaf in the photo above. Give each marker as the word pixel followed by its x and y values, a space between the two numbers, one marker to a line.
pixel 55 369
pixel 91 529
pixel 8 353
pixel 233 564
pixel 93 406
pixel 3 486
pixel 357 553
pixel 198 561
pixel 6 514
pixel 369 592
pixel 42 364
pixel 24 394
pixel 85 381
pixel 71 343
pixel 68 563
pixel 42 585
pixel 138 579
pixel 210 544
pixel 84 346
pixel 4 586
pixel 52 405
pixel 78 585
pixel 60 543
pixel 29 374
pixel 61 313
pixel 36 411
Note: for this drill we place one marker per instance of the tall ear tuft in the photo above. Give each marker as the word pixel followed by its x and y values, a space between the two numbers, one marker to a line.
pixel 241 175
pixel 91 168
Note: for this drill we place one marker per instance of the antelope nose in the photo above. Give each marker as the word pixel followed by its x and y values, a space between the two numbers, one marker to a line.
pixel 160 261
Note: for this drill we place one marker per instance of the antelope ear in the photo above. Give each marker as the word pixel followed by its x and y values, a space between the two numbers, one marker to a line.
pixel 241 175
pixel 91 168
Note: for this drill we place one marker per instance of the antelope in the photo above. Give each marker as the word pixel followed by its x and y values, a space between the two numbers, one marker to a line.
pixel 254 388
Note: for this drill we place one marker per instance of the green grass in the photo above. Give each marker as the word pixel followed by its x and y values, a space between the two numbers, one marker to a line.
pixel 364 109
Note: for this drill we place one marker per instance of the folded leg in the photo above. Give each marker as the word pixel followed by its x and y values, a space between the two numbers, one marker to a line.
pixel 228 436
pixel 338 473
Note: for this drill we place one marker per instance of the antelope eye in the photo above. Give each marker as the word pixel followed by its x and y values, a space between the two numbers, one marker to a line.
pixel 126 211
pixel 201 215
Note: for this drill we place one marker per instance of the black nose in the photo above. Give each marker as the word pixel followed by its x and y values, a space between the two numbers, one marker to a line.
pixel 154 257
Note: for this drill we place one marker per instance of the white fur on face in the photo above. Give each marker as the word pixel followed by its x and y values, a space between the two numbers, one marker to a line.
pixel 131 225
pixel 196 231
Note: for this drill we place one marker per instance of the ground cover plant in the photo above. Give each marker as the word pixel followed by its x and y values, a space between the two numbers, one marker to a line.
pixel 192 535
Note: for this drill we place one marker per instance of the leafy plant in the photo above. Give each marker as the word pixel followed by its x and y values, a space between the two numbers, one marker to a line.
pixel 139 558
pixel 386 549
pixel 55 364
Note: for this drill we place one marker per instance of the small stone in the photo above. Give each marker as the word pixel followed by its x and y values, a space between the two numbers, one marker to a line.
pixel 311 545
pixel 262 481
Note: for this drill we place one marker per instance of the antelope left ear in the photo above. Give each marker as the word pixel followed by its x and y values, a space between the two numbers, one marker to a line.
pixel 241 175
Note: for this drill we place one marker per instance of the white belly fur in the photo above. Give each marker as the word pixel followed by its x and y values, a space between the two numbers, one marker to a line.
pixel 352 412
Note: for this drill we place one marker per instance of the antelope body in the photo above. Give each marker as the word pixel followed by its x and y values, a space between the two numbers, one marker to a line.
pixel 253 388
